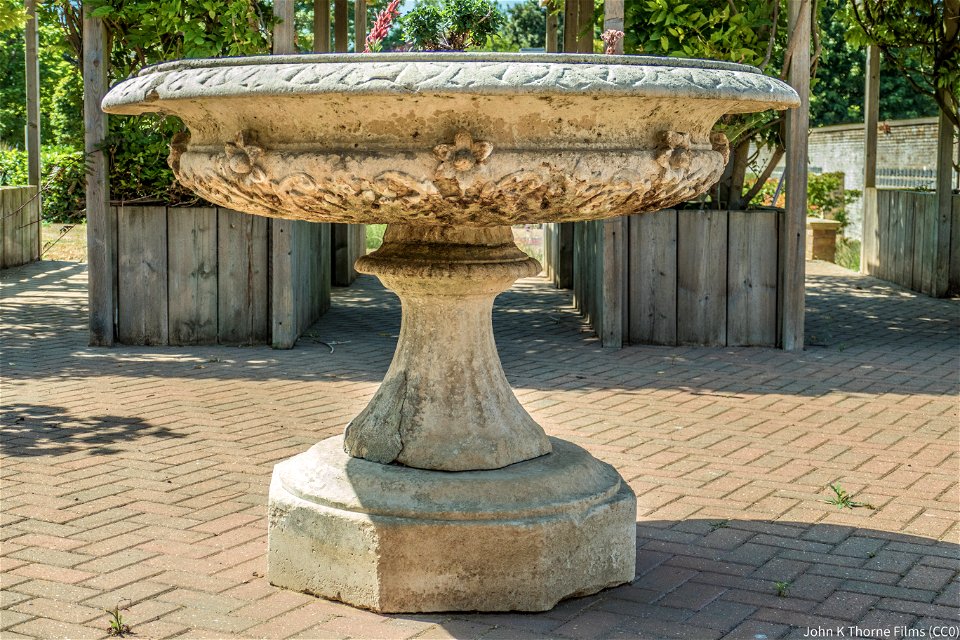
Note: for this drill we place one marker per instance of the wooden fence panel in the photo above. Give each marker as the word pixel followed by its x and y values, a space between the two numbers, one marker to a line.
pixel 903 239
pixel 142 310
pixel 919 230
pixel 10 247
pixel 19 225
pixel 752 278
pixel 869 249
pixel 929 208
pixel 192 294
pixel 701 277
pixel 242 296
pixel 652 278
pixel 311 278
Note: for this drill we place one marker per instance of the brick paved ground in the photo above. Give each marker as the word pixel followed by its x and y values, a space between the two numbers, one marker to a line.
pixel 140 474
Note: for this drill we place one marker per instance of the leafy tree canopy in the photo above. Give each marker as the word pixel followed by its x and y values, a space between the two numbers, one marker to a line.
pixel 837 93
pixel 918 38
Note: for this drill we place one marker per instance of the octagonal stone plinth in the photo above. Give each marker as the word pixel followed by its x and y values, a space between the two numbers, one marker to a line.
pixel 395 539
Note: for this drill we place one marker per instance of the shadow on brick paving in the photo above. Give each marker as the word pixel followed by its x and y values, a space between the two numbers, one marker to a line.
pixel 703 579
pixel 863 336
pixel 46 430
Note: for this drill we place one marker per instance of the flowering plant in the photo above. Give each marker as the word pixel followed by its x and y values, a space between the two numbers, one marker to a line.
pixel 381 26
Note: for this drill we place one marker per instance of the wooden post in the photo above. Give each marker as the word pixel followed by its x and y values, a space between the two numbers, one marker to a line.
pixel 340 24
pixel 359 25
pixel 793 232
pixel 282 304
pixel 871 116
pixel 33 105
pixel 284 31
pixel 614 229
pixel 101 225
pixel 321 26
pixel 613 282
pixel 551 43
pixel 571 12
pixel 941 226
pixel 585 27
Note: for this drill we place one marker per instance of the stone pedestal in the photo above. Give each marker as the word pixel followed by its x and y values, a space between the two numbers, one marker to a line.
pixel 395 539
pixel 444 494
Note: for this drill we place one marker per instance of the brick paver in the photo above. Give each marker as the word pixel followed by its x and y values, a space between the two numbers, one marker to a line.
pixel 139 475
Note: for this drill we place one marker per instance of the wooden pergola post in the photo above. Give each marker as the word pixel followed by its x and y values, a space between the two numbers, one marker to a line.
pixel 359 25
pixel 613 316
pixel 871 117
pixel 793 231
pixel 284 331
pixel 32 65
pixel 321 26
pixel 101 226
pixel 941 228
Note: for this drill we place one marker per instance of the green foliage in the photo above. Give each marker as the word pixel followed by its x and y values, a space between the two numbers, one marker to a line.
pixel 524 27
pixel 752 32
pixel 843 500
pixel 64 178
pixel 734 31
pixel 149 31
pixel 826 197
pixel 54 68
pixel 783 588
pixel 837 91
pixel 117 627
pixel 918 38
pixel 451 25
pixel 848 253
pixel 12 15
pixel 374 236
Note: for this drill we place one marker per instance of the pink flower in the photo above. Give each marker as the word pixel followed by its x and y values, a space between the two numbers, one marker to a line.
pixel 611 38
pixel 381 26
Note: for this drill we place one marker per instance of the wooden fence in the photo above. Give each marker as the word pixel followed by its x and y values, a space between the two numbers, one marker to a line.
pixel 211 276
pixel 907 241
pixel 19 226
pixel 686 278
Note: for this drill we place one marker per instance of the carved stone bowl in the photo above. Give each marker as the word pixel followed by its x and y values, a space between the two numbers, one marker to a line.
pixel 453 138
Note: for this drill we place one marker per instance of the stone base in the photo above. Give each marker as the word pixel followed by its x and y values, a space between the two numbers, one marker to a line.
pixel 397 539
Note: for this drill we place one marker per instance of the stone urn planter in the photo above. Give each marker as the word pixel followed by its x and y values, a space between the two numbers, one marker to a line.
pixel 444 493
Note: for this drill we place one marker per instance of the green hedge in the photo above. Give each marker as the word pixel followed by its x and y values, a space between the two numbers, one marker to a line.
pixel 63 178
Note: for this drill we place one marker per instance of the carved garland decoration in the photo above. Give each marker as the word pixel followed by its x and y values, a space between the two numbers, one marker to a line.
pixel 461 188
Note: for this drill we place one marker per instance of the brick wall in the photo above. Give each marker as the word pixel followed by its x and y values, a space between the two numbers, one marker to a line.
pixel 903 145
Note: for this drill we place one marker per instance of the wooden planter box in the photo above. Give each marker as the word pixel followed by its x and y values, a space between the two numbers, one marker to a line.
pixel 686 277
pixel 188 276
pixel 19 226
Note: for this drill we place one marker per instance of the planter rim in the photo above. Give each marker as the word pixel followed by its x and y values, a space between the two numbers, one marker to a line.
pixel 447 56
pixel 573 76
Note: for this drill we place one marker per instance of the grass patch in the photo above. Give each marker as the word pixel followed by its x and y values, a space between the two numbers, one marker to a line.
pixel 848 254
pixel 375 236
pixel 63 242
